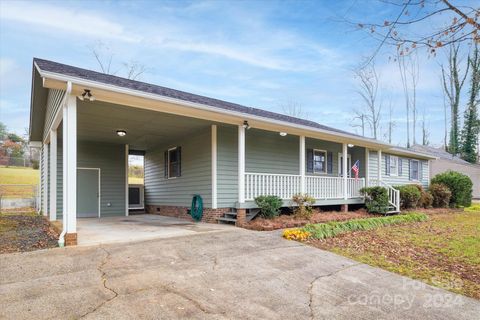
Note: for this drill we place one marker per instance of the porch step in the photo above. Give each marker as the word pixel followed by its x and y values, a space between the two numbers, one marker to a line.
pixel 230 217
pixel 227 220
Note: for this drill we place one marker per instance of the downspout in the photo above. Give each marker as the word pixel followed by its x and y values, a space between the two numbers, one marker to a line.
pixel 61 238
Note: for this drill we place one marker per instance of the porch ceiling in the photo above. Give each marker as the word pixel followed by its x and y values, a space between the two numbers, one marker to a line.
pixel 99 121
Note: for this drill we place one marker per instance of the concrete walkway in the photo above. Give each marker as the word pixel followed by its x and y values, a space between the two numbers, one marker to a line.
pixel 139 227
pixel 237 274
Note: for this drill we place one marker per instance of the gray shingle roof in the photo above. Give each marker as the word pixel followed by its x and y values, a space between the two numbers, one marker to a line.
pixel 440 153
pixel 59 68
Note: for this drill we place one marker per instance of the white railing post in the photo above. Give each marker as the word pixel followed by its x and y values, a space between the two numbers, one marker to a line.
pixel 345 170
pixel 379 169
pixel 241 164
pixel 53 174
pixel 302 164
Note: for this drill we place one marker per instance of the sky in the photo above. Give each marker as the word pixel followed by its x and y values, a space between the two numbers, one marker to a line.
pixel 261 54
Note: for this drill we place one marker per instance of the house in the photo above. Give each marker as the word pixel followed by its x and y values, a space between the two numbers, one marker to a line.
pixel 87 123
pixel 445 161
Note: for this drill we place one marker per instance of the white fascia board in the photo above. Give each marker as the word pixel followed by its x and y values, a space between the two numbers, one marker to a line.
pixel 242 116
pixel 398 151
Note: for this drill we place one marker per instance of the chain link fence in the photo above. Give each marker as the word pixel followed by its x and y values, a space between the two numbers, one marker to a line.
pixel 26 162
pixel 19 197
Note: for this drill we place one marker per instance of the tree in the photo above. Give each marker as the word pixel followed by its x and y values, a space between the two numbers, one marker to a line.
pixel 368 90
pixel 3 131
pixel 471 126
pixel 359 116
pixel 402 67
pixel 391 123
pixel 462 25
pixel 453 82
pixel 104 57
pixel 413 71
pixel 293 108
pixel 425 131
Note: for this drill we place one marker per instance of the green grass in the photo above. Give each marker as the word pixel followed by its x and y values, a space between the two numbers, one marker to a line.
pixel 19 175
pixel 443 251
pixel 332 229
pixel 135 180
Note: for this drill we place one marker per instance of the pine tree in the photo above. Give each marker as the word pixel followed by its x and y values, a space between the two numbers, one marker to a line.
pixel 471 127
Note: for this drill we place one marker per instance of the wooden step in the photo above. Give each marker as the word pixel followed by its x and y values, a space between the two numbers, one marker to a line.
pixel 227 220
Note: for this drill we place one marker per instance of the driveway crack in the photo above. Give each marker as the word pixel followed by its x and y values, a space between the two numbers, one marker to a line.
pixel 103 276
pixel 310 288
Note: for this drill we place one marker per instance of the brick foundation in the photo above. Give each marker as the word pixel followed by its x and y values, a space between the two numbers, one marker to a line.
pixel 344 208
pixel 70 239
pixel 241 217
pixel 209 215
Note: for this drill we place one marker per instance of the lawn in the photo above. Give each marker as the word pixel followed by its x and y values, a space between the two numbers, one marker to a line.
pixel 443 251
pixel 19 175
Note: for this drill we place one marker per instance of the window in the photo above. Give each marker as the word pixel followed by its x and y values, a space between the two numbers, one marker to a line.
pixel 393 165
pixel 414 169
pixel 173 162
pixel 319 161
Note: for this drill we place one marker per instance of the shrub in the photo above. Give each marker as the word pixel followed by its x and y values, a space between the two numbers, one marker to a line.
pixel 376 199
pixel 269 206
pixel 426 198
pixel 332 229
pixel 459 184
pixel 409 196
pixel 304 204
pixel 441 195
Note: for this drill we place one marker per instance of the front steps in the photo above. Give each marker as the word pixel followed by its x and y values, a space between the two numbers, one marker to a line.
pixel 230 217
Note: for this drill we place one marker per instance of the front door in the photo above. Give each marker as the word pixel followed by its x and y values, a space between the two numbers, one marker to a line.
pixel 340 165
pixel 88 193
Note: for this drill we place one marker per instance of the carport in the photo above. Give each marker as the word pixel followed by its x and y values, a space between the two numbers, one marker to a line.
pixel 93 231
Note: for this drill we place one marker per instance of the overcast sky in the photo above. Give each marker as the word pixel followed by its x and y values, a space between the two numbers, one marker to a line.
pixel 260 53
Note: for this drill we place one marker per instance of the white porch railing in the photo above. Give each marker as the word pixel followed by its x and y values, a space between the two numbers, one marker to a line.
pixel 393 194
pixel 280 185
pixel 286 185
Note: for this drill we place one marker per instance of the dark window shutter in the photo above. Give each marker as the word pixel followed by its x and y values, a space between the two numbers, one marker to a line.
pixel 179 159
pixel 410 170
pixel 400 166
pixel 165 161
pixel 387 164
pixel 420 170
pixel 329 162
pixel 309 160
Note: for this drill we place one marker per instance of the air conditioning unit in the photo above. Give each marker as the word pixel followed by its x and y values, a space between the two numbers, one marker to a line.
pixel 136 196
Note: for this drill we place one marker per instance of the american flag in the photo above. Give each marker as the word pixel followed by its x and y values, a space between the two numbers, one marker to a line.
pixel 356 168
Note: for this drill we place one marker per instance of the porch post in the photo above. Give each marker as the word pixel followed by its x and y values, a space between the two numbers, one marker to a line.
pixel 214 166
pixel 70 170
pixel 302 164
pixel 367 164
pixel 345 170
pixel 379 169
pixel 126 180
pixel 45 179
pixel 241 164
pixel 53 174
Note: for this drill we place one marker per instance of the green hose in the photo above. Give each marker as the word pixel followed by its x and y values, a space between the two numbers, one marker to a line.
pixel 196 211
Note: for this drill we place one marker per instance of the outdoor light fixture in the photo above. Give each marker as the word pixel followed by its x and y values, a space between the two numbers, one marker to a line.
pixel 246 125
pixel 121 133
pixel 350 145
pixel 86 95
pixel 283 134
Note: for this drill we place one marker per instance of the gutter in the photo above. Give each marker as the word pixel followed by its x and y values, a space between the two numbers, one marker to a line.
pixel 61 238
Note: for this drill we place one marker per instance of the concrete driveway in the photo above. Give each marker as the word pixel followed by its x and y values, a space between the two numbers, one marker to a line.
pixel 236 274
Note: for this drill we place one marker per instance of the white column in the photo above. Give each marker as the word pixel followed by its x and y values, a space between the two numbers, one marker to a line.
pixel 53 174
pixel 214 166
pixel 45 180
pixel 126 180
pixel 70 165
pixel 345 169
pixel 367 164
pixel 241 164
pixel 302 164
pixel 379 169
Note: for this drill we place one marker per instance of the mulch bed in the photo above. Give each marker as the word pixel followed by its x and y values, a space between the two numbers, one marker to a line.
pixel 20 233
pixel 290 221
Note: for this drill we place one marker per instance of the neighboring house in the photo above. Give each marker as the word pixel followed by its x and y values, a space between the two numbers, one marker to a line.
pixel 445 161
pixel 226 153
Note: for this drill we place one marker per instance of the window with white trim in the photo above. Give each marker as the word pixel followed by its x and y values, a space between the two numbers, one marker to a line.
pixel 414 170
pixel 173 161
pixel 393 165
pixel 319 161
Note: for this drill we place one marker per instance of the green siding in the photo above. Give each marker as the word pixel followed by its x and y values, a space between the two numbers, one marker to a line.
pixel 268 152
pixel 110 158
pixel 402 179
pixel 227 166
pixel 196 168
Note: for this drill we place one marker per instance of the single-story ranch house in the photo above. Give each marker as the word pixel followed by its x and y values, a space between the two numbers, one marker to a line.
pixel 87 123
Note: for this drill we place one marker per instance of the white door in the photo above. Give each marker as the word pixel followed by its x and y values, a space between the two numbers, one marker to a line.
pixel 340 165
